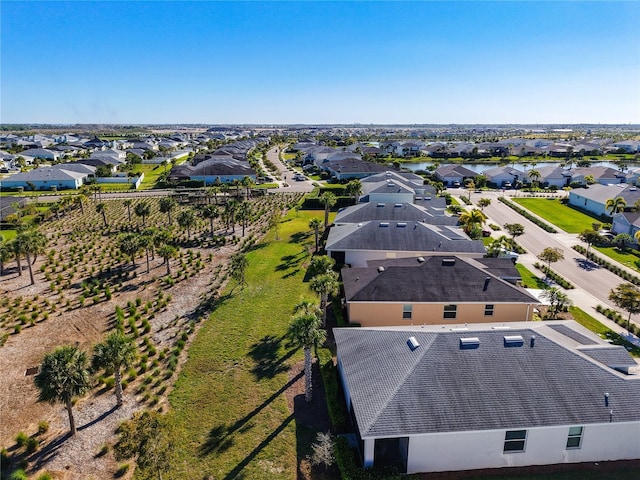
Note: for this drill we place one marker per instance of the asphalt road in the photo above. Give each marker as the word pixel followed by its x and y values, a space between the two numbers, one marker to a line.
pixel 304 186
pixel 592 283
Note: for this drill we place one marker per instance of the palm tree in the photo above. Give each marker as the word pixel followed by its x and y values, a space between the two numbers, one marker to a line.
pixel 127 203
pixel 354 189
pixel 210 212
pixel 167 204
pixel 63 375
pixel 589 237
pixel 55 209
pixel 14 247
pixel 315 223
pixel 534 175
pixel 320 264
pixel 145 241
pixel 101 208
pixel 306 332
pixel 248 182
pixel 186 219
pixel 472 219
pixel 142 209
pixel 307 307
pixel 328 199
pixel 615 205
pixel 116 352
pixel 31 242
pixel 325 284
pixel 230 214
pixel 129 243
pixel 557 299
pixel 244 213
pixel 627 297
pixel 167 252
pixel 237 183
pixel 5 254
pixel 238 269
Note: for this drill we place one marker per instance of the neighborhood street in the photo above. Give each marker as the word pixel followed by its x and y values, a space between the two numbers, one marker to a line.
pixel 286 176
pixel 592 283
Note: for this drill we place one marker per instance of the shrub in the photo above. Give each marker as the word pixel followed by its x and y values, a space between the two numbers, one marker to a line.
pixel 122 469
pixel 45 476
pixel 103 451
pixel 32 444
pixel 21 439
pixel 19 474
pixel 43 427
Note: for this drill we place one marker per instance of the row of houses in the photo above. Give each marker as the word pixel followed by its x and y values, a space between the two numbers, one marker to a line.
pixel 506 176
pixel 447 371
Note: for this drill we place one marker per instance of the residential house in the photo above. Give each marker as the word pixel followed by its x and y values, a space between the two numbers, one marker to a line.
pixel 355 244
pixel 628 146
pixel 41 153
pixel 626 222
pixel 594 198
pixel 57 177
pixel 552 176
pixel 350 168
pixel 215 170
pixel 601 174
pixel 437 398
pixel 433 214
pixel 395 187
pixel 453 175
pixel 505 176
pixel 435 290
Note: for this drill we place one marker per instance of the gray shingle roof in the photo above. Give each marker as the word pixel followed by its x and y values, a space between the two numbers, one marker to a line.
pixel 436 279
pixel 400 212
pixel 440 387
pixel 402 236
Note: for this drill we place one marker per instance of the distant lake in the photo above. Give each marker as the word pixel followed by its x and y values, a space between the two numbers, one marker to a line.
pixel 482 167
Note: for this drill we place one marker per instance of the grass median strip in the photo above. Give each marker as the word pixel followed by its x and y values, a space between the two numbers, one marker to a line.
pixel 555 212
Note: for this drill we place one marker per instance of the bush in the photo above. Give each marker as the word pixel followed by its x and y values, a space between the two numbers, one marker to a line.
pixel 32 444
pixel 45 476
pixel 21 439
pixel 527 215
pixel 43 427
pixel 350 470
pixel 122 469
pixel 332 390
pixel 19 474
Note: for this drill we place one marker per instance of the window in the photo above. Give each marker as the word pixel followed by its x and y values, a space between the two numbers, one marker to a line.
pixel 575 437
pixel 450 311
pixel 407 311
pixel 488 310
pixel 514 441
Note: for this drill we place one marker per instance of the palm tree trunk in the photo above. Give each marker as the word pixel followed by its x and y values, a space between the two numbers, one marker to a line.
pixel 104 219
pixel 316 234
pixel 168 266
pixel 326 215
pixel 33 280
pixel 118 377
pixel 147 260
pixel 211 226
pixel 308 364
pixel 72 421
pixel 323 305
pixel 19 264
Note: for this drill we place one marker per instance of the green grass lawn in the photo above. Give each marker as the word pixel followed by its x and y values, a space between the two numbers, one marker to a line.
pixel 529 280
pixel 229 414
pixel 587 321
pixel 151 174
pixel 558 214
pixel 630 258
pixel 8 234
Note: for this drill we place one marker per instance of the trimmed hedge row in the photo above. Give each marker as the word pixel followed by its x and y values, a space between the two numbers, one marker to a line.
pixel 622 321
pixel 612 267
pixel 329 374
pixel 564 283
pixel 527 215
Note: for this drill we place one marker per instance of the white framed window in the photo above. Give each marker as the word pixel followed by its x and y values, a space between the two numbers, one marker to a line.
pixel 574 439
pixel 407 311
pixel 515 441
pixel 488 310
pixel 450 311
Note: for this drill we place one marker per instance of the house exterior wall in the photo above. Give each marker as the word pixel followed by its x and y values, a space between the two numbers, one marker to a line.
pixel 210 179
pixel 43 184
pixel 373 314
pixel 592 206
pixel 558 182
pixel 544 446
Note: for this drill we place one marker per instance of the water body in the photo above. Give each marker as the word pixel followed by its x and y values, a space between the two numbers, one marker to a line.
pixel 482 167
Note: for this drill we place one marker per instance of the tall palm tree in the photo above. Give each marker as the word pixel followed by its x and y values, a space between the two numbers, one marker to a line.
pixel 534 175
pixel 315 223
pixel 186 219
pixel 31 242
pixel 244 214
pixel 167 252
pixel 230 209
pixel 354 189
pixel 238 269
pixel 129 243
pixel 306 332
pixel 116 352
pixel 167 204
pixel 328 199
pixel 101 209
pixel 210 212
pixel 127 203
pixel 5 254
pixel 248 182
pixel 63 375
pixel 325 284
pixel 307 307
pixel 142 209
pixel 145 241
pixel 615 205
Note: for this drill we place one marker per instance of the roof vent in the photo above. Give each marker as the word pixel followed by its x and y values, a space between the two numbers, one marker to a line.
pixel 468 343
pixel 413 343
pixel 448 262
pixel 384 224
pixel 398 205
pixel 420 259
pixel 459 329
pixel 402 224
pixel 486 284
pixel 513 341
pixel 632 189
pixel 381 204
pixel 380 269
pixel 418 198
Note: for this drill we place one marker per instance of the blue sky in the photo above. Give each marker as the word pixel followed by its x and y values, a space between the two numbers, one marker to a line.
pixel 320 62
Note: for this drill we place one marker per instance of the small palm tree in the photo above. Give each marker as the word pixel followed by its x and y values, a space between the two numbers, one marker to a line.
pixel 142 209
pixel 127 203
pixel 210 212
pixel 31 242
pixel 248 182
pixel 101 209
pixel 306 332
pixel 238 269
pixel 187 219
pixel 63 375
pixel 472 219
pixel 167 252
pixel 244 214
pixel 129 243
pixel 534 175
pixel 615 205
pixel 315 223
pixel 167 204
pixel 116 352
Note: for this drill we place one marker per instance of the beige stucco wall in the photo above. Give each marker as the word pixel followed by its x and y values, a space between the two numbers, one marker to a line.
pixel 386 314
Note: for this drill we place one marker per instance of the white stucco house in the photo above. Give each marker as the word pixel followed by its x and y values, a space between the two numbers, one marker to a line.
pixel 448 398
